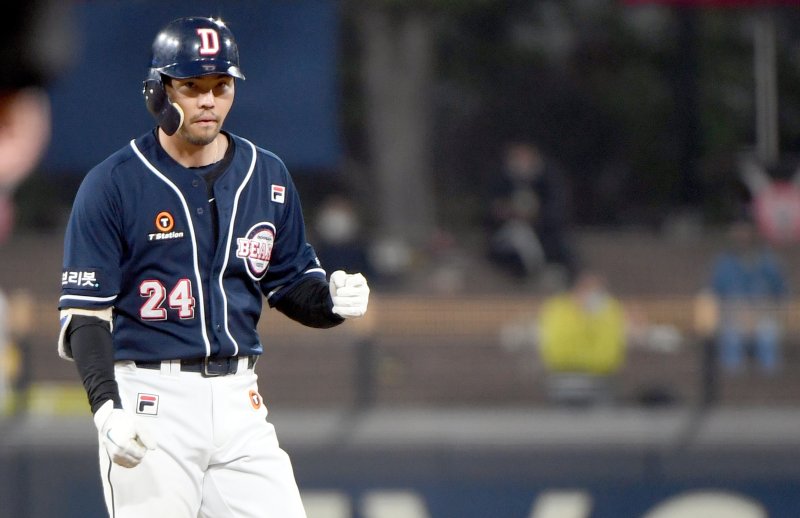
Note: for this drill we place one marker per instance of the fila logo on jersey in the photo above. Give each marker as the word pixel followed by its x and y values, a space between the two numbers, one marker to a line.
pixel 147 404
pixel 278 193
pixel 164 222
pixel 256 249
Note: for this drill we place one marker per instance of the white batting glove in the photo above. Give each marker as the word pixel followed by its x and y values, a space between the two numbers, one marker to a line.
pixel 350 294
pixel 124 440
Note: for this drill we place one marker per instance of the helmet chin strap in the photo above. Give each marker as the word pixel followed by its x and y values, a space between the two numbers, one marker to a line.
pixel 168 115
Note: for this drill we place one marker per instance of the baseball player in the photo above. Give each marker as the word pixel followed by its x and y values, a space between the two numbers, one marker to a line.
pixel 172 242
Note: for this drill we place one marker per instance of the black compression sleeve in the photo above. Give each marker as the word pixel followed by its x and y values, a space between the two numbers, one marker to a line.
pixel 309 302
pixel 93 352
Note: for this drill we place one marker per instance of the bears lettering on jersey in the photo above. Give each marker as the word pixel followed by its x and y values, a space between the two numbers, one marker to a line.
pixel 256 249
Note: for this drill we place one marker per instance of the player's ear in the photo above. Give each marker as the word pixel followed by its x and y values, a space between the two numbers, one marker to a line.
pixel 168 115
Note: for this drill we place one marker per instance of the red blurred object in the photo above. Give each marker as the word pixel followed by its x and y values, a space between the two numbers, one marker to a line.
pixel 715 3
pixel 777 212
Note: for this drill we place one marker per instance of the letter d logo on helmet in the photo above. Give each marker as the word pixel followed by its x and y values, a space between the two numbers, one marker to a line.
pixel 187 47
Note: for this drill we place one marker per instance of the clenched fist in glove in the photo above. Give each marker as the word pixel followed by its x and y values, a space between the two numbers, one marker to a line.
pixel 350 294
pixel 124 440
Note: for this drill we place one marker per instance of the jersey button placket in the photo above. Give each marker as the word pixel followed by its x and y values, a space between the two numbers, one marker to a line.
pixel 200 211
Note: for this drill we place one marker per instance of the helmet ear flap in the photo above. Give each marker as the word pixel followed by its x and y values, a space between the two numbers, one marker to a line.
pixel 168 115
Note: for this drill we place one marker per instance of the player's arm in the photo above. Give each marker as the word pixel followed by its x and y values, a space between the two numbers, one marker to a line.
pixel 309 302
pixel 86 338
pixel 314 302
pixel 296 284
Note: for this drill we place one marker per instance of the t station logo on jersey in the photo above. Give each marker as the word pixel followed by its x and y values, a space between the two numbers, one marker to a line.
pixel 256 249
pixel 165 223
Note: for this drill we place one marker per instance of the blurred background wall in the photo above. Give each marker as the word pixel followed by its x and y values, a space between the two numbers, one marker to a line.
pixel 580 222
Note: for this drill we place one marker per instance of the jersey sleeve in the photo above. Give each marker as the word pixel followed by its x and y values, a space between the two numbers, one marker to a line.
pixel 90 276
pixel 293 258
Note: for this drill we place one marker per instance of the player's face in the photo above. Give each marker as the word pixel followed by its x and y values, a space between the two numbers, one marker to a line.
pixel 205 101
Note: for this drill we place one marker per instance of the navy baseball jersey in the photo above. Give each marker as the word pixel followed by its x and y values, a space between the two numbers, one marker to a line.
pixel 141 239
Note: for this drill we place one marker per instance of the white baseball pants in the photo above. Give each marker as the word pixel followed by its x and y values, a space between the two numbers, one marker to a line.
pixel 217 455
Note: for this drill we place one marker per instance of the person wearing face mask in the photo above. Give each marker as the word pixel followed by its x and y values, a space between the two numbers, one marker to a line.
pixel 339 235
pixel 582 340
pixel 529 214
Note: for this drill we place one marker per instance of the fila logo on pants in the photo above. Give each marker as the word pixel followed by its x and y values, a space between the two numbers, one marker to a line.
pixel 147 404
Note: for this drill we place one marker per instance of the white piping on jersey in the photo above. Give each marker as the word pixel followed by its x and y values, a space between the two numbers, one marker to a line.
pixel 228 245
pixel 195 262
pixel 87 299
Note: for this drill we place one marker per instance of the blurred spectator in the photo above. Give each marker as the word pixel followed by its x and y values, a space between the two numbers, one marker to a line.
pixel 340 242
pixel 529 214
pixel 16 324
pixel 749 286
pixel 6 357
pixel 449 270
pixel 22 322
pixel 582 340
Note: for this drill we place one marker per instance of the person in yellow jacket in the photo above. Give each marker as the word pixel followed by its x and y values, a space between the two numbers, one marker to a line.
pixel 583 330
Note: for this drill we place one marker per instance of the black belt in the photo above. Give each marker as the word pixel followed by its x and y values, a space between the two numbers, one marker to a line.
pixel 209 367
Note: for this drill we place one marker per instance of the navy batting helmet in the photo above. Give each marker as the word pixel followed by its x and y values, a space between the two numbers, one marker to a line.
pixel 187 47
pixel 191 47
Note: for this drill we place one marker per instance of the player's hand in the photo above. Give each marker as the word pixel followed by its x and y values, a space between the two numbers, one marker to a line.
pixel 124 440
pixel 350 294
